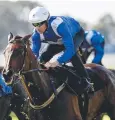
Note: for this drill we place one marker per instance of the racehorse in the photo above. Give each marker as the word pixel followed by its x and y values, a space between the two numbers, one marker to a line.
pixel 50 91
pixel 11 102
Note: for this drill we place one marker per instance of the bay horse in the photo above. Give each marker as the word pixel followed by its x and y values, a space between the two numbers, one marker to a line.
pixel 49 91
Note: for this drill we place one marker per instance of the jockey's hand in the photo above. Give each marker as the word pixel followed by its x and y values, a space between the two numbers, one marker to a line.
pixel 51 64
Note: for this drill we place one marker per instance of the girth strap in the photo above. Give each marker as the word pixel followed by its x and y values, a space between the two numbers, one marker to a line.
pixel 83 101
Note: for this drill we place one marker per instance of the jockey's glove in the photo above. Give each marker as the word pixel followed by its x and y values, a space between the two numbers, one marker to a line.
pixel 51 64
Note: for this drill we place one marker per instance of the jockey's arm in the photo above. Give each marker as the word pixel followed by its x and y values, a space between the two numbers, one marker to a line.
pixel 67 40
pixel 99 52
pixel 36 44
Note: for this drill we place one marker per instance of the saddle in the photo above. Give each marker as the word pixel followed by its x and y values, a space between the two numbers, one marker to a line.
pixel 68 72
pixel 67 75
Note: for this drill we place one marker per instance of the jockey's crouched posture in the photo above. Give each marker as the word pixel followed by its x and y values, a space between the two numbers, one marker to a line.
pixel 62 33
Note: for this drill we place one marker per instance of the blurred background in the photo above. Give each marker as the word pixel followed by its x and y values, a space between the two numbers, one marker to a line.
pixel 99 15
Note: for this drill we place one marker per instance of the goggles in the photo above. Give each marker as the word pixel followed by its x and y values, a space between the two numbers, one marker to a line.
pixel 38 24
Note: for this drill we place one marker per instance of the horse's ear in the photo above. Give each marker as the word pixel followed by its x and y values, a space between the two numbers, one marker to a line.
pixel 25 38
pixel 10 36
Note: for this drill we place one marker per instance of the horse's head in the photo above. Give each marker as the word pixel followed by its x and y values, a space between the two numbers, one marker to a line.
pixel 15 53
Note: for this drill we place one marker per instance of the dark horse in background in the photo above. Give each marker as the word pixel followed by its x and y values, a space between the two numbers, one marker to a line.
pixel 49 91
pixel 12 103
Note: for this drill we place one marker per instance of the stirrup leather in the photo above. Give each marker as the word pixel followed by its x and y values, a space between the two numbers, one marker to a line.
pixel 90 85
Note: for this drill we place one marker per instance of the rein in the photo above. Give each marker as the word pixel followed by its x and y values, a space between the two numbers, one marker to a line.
pixel 53 96
pixel 47 102
pixel 34 70
pixel 21 76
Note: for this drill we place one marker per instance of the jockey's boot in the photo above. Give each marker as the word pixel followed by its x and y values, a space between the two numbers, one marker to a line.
pixel 81 71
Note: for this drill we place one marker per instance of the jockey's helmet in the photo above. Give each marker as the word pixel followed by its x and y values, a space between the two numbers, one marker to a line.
pixel 38 15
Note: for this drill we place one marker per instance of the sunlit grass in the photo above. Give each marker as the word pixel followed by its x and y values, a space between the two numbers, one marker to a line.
pixel 13 116
pixel 105 117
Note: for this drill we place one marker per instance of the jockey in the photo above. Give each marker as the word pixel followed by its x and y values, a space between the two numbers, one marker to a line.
pixel 94 41
pixel 62 33
pixel 4 89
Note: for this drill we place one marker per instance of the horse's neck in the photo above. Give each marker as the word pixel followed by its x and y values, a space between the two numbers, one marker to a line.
pixel 30 60
pixel 41 79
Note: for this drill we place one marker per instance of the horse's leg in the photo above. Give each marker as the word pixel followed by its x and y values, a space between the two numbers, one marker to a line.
pixel 16 107
pixel 26 112
pixel 111 98
pixel 95 103
pixel 21 101
pixel 76 107
pixel 34 114
pixel 4 106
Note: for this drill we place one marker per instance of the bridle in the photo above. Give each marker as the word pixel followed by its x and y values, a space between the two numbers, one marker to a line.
pixel 20 74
